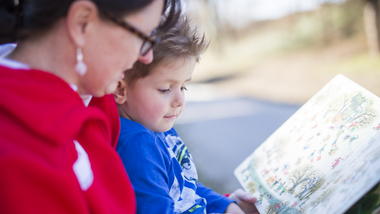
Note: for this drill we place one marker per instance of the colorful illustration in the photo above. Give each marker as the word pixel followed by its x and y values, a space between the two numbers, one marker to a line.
pixel 324 159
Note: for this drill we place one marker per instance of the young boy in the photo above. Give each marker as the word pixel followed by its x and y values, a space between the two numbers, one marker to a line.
pixel 149 100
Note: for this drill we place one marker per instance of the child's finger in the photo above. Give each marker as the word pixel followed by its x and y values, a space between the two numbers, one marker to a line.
pixel 245 196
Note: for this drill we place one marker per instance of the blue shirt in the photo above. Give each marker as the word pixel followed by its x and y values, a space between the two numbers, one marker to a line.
pixel 163 173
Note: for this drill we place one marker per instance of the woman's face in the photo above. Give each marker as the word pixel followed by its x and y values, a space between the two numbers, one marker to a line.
pixel 110 49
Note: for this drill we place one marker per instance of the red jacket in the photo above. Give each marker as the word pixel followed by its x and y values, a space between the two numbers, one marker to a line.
pixel 108 105
pixel 44 125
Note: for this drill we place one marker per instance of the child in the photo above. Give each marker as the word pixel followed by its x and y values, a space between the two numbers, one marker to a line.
pixel 149 99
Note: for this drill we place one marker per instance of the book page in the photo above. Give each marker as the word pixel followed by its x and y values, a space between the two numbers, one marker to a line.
pixel 323 159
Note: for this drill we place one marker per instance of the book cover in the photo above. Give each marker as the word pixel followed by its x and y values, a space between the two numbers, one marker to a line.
pixel 323 159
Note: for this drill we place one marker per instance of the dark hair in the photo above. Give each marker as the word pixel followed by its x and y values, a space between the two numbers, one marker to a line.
pixel 183 40
pixel 22 18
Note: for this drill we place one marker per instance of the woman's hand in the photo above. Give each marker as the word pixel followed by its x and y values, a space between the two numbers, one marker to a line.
pixel 245 203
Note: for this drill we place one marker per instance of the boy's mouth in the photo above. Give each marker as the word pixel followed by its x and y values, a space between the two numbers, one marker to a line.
pixel 170 117
pixel 175 115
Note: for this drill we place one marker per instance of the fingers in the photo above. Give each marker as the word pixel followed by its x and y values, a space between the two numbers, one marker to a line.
pixel 245 196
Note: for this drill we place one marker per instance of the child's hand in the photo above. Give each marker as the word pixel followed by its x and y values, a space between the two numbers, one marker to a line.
pixel 245 201
pixel 233 209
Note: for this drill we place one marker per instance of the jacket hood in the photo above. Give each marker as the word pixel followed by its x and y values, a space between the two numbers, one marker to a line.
pixel 45 104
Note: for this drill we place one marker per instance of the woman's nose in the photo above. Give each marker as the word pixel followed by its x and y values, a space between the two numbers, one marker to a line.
pixel 147 58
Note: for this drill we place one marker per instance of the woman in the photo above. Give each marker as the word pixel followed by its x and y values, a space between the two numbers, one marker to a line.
pixel 55 153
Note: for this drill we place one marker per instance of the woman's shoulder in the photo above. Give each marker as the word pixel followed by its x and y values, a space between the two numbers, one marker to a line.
pixel 40 100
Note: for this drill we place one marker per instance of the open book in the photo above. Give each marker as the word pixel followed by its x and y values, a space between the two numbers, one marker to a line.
pixel 323 159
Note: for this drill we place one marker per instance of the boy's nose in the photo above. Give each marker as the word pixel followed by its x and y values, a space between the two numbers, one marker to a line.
pixel 179 100
pixel 148 58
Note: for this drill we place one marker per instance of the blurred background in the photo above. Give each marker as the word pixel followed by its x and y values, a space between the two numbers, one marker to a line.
pixel 266 59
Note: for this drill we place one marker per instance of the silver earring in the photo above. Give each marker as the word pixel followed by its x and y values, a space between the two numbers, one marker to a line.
pixel 80 67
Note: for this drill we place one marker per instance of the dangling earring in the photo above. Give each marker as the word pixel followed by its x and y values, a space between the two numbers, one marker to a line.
pixel 80 67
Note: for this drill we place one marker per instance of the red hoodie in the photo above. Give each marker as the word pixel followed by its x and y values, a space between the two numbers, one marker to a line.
pixel 55 153
pixel 108 105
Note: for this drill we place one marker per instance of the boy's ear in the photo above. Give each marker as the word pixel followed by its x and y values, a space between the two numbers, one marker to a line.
pixel 120 94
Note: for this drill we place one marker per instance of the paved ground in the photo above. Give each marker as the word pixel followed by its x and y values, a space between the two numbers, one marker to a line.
pixel 220 134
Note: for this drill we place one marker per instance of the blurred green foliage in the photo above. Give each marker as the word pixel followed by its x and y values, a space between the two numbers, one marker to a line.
pixel 320 44
pixel 322 27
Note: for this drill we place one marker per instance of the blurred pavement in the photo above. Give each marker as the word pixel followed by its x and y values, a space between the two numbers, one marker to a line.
pixel 222 132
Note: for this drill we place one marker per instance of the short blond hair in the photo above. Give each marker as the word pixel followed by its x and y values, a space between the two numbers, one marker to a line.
pixel 181 41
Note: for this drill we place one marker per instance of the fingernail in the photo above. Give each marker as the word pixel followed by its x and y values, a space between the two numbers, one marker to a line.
pixel 249 196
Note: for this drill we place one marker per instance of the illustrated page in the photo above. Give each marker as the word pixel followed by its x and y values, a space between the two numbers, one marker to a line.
pixel 323 159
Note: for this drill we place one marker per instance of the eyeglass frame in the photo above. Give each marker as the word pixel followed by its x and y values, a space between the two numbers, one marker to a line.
pixel 152 39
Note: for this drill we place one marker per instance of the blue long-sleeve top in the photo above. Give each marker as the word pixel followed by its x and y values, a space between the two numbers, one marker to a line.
pixel 163 173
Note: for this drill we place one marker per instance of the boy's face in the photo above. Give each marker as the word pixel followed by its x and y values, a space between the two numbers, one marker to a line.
pixel 157 100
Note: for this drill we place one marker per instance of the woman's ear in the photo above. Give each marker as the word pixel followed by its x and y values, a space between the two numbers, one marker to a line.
pixel 79 16
pixel 120 94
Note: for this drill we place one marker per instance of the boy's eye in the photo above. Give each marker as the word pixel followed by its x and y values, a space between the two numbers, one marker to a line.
pixel 183 88
pixel 164 91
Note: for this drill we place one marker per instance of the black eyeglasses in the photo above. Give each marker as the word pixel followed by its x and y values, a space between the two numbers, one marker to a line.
pixel 148 41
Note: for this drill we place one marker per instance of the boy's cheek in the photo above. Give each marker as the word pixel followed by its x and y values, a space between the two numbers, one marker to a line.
pixel 180 111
